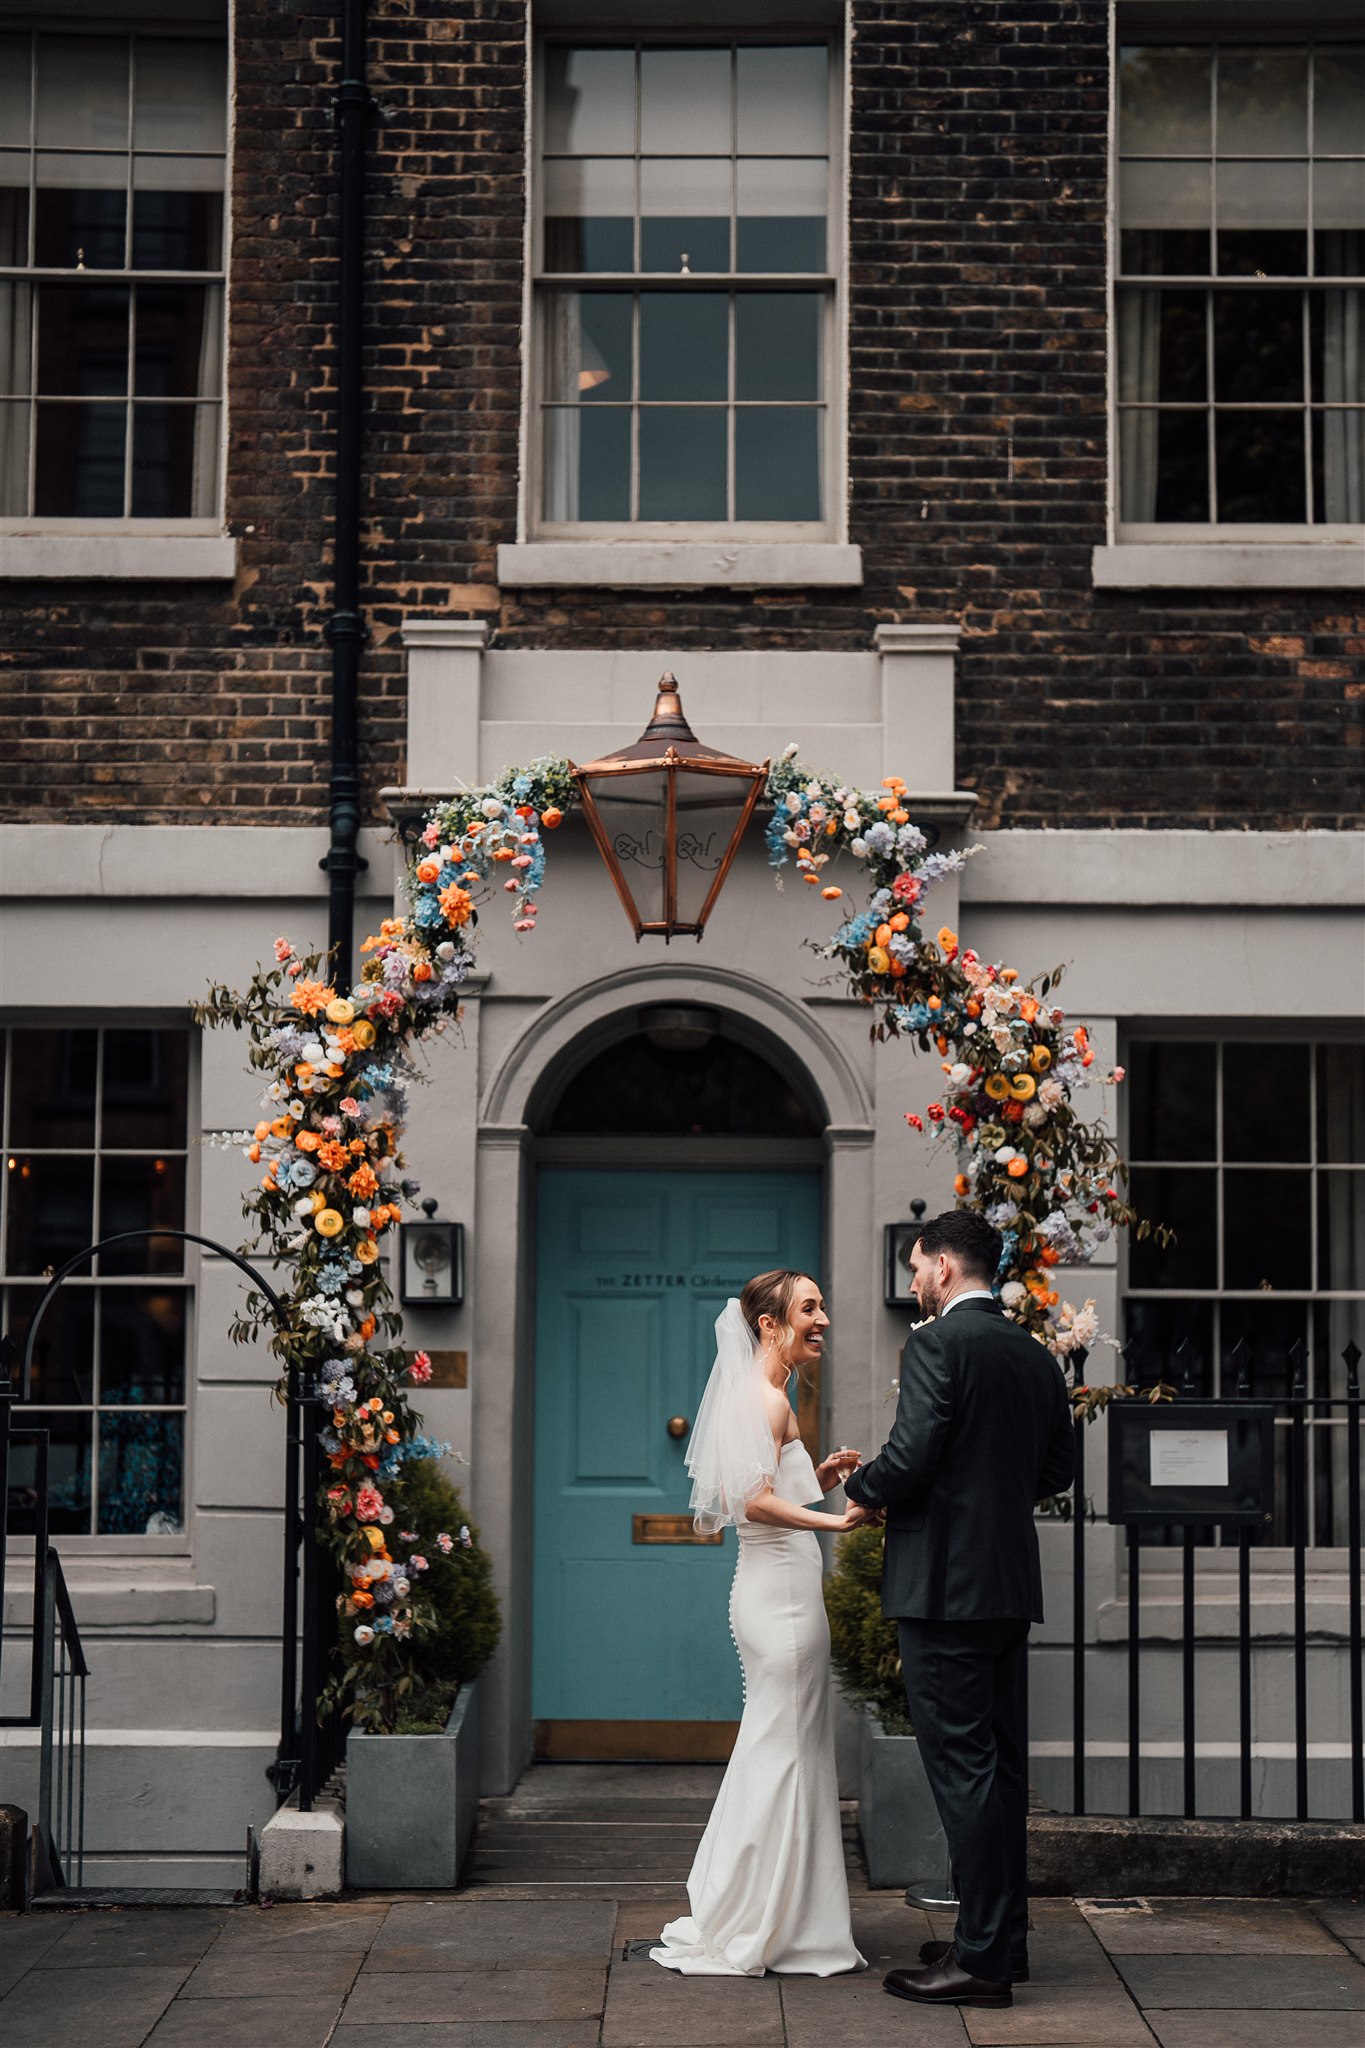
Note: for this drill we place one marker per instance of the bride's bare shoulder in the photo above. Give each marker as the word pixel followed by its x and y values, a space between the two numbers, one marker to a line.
pixel 778 1410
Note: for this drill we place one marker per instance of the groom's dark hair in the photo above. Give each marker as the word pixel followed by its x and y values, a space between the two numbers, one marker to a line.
pixel 967 1237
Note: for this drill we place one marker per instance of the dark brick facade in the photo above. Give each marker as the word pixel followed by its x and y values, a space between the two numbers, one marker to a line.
pixel 977 455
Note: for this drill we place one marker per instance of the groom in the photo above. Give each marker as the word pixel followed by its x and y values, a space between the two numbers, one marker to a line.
pixel 982 1432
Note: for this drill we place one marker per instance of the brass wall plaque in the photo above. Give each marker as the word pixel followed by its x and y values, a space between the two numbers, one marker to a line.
pixel 667 1529
pixel 448 1368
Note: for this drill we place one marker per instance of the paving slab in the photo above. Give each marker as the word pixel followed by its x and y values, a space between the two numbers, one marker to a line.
pixel 470 1934
pixel 1286 1983
pixel 854 2012
pixel 1197 1927
pixel 1256 2029
pixel 92 2008
pixel 343 1924
pixel 274 1974
pixel 244 2023
pixel 1345 1920
pixel 1081 2018
pixel 888 1932
pixel 650 2007
pixel 645 1919
pixel 23 1941
pixel 419 1997
pixel 477 2034
pixel 165 1939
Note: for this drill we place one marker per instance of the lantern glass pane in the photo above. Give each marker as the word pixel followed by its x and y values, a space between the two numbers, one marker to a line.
pixel 634 814
pixel 708 812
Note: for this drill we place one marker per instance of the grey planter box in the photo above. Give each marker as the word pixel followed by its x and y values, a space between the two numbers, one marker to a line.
pixel 902 1838
pixel 411 1803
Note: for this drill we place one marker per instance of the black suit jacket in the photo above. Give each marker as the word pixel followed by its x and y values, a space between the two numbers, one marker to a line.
pixel 983 1431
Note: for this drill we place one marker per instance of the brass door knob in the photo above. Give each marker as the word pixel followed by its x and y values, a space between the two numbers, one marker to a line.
pixel 678 1426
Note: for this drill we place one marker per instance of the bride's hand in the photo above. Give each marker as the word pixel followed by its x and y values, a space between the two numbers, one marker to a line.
pixel 834 1469
pixel 855 1517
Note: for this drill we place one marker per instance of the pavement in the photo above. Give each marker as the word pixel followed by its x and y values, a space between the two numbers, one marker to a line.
pixel 469 1972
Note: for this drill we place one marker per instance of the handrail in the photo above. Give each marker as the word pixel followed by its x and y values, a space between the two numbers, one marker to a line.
pixel 60 1824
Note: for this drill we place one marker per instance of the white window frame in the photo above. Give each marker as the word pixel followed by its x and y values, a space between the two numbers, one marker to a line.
pixel 47 549
pixel 1181 555
pixel 739 553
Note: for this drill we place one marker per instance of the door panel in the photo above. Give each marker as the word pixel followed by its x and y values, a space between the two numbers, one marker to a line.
pixel 633 1269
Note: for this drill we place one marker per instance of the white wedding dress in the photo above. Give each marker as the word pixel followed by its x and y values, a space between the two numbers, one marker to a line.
pixel 767 1889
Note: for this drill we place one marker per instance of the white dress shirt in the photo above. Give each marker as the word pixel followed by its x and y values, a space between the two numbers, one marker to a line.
pixel 969 1294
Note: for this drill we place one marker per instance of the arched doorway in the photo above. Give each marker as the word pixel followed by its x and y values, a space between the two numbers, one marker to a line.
pixel 678 1153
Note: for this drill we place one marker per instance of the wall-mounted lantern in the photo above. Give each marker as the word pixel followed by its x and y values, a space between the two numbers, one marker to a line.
pixel 668 815
pixel 431 1262
pixel 900 1241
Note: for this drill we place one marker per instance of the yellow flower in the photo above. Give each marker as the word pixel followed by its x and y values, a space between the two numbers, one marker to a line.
pixel 329 1222
pixel 374 1537
pixel 1040 1059
pixel 367 1251
pixel 997 1086
pixel 878 959
pixel 362 1031
pixel 1023 1087
pixel 947 938
pixel 340 1011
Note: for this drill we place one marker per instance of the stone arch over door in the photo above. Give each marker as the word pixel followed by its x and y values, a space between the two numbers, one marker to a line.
pixel 557 1037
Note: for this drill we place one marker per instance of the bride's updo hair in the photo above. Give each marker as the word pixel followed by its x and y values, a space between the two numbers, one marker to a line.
pixel 770 1294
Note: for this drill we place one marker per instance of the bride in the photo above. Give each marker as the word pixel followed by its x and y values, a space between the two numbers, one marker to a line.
pixel 767 1888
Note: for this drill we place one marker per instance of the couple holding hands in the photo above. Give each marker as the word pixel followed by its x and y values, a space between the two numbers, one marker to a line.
pixel 982 1433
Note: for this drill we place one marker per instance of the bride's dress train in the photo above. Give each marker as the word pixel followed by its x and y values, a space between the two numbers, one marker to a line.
pixel 767 1889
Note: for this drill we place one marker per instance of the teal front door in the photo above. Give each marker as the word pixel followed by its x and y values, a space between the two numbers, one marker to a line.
pixel 633 1269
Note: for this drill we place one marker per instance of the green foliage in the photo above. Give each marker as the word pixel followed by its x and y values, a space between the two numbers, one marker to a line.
pixel 458 1589
pixel 863 1646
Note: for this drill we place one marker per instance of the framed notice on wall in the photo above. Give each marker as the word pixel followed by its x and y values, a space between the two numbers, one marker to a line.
pixel 1191 1461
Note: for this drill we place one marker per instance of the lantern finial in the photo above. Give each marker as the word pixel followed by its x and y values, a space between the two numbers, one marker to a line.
pixel 668 722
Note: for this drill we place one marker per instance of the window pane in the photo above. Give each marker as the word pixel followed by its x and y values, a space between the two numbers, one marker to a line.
pixel 1170 1093
pixel 1260 467
pixel 142 1194
pixel 1254 1076
pixel 684 214
pixel 179 94
pixel 49 1210
pixel 1165 101
pixel 82 92
pixel 1270 1329
pixel 783 202
pixel 15 426
pixel 1262 102
pixel 79 461
pixel 1267 1228
pixel 777 463
pixel 682 463
pixel 777 345
pixel 80 212
pixel 1339 218
pixel 142 1346
pixel 589 100
pixel 16 356
pixel 683 346
pixel 1338 100
pixel 177 213
pixel 587 463
pixel 175 461
pixel 1164 215
pixel 177 342
pixel 52 1087
pixel 13 207
pixel 1341 1231
pixel 1341 1102
pixel 707 809
pixel 145 1081
pixel 629 807
pixel 1163 466
pixel 587 346
pixel 783 99
pixel 589 214
pixel 68 1474
pixel 1339 467
pixel 1185 1199
pixel 1257 347
pixel 141 1458
pixel 1162 349
pixel 685 102
pixel 83 340
pixel 1262 219
pixel 1154 1332
pixel 15 126
pixel 63 1372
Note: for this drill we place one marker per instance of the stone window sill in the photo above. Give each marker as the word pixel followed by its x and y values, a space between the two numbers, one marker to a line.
pixel 680 565
pixel 1229 565
pixel 124 557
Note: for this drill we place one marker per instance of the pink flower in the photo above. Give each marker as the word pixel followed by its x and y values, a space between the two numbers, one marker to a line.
pixel 283 949
pixel 1119 1073
pixel 407 1535
pixel 332 1126
pixel 417 1564
pixel 390 1003
pixel 349 1105
pixel 432 833
pixel 369 1503
pixel 420 1369
pixel 295 967
pixel 445 1544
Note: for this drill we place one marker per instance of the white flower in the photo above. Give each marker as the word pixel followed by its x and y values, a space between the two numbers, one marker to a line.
pixel 314 1050
pixel 361 1218
pixel 491 807
pixel 401 1589
pixel 793 801
pixel 1004 1153
pixel 304 1207
pixel 851 821
pixel 1013 1294
pixel 1035 1115
pixel 446 950
pixel 296 1108
pixel 364 1634
pixel 858 848
pixel 355 1297
pixel 814 791
pixel 789 752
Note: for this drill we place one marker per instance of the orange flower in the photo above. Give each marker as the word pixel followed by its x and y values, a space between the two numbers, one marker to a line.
pixel 312 996
pixel 900 922
pixel 883 934
pixel 961 1184
pixel 1017 1168
pixel 457 903
pixel 947 938
pixel 551 817
pixel 1028 1008
pixel 421 970
pixel 308 1141
pixel 367 1328
pixel 428 870
pixel 363 1183
pixel 359 1599
pixel 254 1154
pixel 831 895
pixel 332 1157
pixel 505 853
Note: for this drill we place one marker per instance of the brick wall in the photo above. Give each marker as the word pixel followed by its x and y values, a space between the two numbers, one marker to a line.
pixel 977 455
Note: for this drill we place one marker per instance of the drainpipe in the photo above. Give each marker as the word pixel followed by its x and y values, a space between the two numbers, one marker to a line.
pixel 346 628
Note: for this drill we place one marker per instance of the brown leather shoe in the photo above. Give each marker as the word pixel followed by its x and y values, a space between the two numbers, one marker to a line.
pixel 935 1951
pixel 946 1983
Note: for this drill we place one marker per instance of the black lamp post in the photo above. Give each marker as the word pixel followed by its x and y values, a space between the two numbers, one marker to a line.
pixel 668 815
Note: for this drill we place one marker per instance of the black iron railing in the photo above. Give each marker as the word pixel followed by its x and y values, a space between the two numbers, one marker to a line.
pixel 1297 1413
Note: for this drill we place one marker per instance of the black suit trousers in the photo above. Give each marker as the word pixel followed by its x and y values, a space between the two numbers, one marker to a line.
pixel 966 1689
